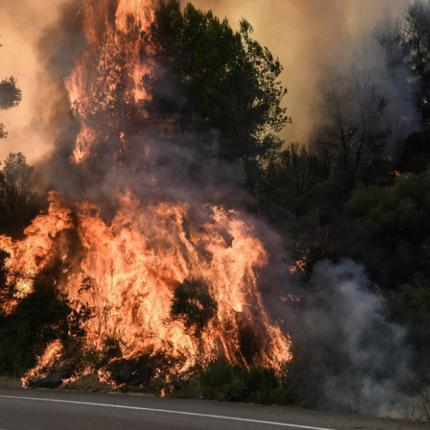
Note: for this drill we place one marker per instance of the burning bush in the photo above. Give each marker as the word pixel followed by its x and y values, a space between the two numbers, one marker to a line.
pixel 142 201
pixel 193 303
pixel 37 320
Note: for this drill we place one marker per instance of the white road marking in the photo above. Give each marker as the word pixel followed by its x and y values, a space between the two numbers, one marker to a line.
pixel 167 411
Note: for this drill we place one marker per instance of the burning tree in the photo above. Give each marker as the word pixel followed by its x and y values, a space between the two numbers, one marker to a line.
pixel 150 209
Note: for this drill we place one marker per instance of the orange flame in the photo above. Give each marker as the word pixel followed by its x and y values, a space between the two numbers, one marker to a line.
pixel 129 266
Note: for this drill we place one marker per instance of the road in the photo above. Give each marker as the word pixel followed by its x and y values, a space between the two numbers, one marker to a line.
pixel 46 409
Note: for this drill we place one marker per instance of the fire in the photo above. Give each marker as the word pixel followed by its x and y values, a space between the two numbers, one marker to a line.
pixel 28 257
pixel 112 61
pixel 141 10
pixel 128 265
pixel 46 362
pixel 299 265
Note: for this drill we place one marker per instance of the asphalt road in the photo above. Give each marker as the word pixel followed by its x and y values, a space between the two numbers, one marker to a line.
pixel 52 410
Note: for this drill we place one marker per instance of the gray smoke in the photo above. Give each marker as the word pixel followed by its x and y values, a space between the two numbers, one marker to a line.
pixel 362 359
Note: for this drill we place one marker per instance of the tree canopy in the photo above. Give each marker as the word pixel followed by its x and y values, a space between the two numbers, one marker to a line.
pixel 223 81
pixel 10 96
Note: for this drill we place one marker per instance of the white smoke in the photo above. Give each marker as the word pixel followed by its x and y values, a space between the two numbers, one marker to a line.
pixel 363 358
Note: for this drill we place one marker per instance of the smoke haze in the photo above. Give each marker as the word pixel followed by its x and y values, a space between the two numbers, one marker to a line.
pixel 362 359
pixel 306 37
pixel 310 39
pixel 21 26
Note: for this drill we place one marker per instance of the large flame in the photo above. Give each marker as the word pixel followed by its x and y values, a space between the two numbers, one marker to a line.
pixel 128 265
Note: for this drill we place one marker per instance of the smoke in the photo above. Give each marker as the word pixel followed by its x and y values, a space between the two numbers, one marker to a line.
pixel 362 359
pixel 312 40
pixel 309 40
pixel 29 126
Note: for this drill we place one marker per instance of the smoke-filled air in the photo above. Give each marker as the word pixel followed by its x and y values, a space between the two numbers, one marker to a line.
pixel 219 199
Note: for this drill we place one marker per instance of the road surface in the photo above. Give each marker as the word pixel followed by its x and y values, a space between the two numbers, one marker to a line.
pixel 63 410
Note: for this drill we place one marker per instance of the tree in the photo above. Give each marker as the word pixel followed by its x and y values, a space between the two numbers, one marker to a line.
pixel 10 96
pixel 19 200
pixel 291 189
pixel 406 42
pixel 223 81
pixel 416 41
pixel 193 303
pixel 390 230
pixel 351 132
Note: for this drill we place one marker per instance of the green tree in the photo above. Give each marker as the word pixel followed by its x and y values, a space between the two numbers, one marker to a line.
pixel 416 41
pixel 292 189
pixel 390 229
pixel 10 96
pixel 224 82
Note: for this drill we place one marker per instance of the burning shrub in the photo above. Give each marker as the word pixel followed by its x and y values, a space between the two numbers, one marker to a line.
pixel 136 213
pixel 193 303
pixel 37 320
pixel 250 344
pixel 139 372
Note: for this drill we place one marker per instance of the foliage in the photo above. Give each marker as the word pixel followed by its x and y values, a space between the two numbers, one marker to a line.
pixel 19 200
pixel 39 319
pixel 415 38
pixel 411 307
pixel 10 96
pixel 392 222
pixel 351 132
pixel 216 79
pixel 226 382
pixel 223 381
pixel 292 189
pixel 193 303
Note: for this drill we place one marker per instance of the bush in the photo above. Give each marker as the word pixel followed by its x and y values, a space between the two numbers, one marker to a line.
pixel 39 319
pixel 193 303
pixel 227 382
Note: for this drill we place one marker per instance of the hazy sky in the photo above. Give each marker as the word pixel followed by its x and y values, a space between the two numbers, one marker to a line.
pixel 307 35
pixel 21 24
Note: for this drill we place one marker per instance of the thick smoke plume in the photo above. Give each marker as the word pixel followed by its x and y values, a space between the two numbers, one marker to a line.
pixel 22 24
pixel 362 359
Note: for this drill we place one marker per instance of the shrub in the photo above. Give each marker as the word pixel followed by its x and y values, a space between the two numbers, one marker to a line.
pixel 193 303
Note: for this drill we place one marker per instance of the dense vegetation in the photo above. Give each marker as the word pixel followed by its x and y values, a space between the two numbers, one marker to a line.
pixel 343 196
